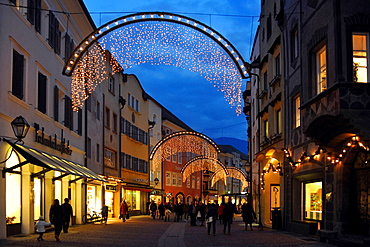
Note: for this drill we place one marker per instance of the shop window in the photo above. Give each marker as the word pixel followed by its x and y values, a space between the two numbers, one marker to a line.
pixel 360 61
pixel 313 200
pixel 13 198
pixel 58 188
pixel 37 194
pixel 321 70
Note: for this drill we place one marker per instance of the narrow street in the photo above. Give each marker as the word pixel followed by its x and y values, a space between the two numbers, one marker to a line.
pixel 144 231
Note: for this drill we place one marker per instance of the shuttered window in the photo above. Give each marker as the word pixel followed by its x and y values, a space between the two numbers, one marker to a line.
pixel 68 114
pixel 41 93
pixel 54 33
pixel 56 103
pixel 18 71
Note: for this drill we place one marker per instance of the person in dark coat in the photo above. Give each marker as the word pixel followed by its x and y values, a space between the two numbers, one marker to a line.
pixel 211 218
pixel 56 216
pixel 227 216
pixel 153 208
pixel 248 214
pixel 68 212
pixel 202 209
pixel 162 211
pixel 180 211
pixel 193 214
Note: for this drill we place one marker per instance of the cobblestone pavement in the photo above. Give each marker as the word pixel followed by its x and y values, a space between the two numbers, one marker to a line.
pixel 144 231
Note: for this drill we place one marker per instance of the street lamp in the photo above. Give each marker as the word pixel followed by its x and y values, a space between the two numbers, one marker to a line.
pixel 20 127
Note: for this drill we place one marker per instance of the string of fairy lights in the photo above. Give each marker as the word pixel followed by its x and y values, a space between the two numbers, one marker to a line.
pixel 201 163
pixel 158 39
pixel 233 172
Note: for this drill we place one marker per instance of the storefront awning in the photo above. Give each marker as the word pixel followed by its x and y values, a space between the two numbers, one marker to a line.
pixel 51 162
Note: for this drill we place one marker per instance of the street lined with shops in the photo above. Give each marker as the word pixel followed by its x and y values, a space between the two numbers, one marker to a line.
pixel 144 231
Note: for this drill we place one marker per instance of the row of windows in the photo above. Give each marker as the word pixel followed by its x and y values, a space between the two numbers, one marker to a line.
pixel 43 84
pixel 46 24
pixel 134 132
pixel 134 164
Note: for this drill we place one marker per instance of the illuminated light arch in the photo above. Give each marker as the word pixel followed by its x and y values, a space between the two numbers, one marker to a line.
pixel 159 38
pixel 232 172
pixel 182 142
pixel 202 163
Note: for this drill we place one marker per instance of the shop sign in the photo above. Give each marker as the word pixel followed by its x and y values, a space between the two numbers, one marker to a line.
pixel 110 187
pixel 52 142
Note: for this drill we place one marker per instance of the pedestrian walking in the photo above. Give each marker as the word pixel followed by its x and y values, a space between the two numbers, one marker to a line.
pixel 220 211
pixel 211 217
pixel 68 212
pixel 193 214
pixel 153 209
pixel 40 228
pixel 201 208
pixel 248 215
pixel 227 217
pixel 161 211
pixel 186 211
pixel 56 216
pixel 180 212
pixel 104 213
pixel 123 210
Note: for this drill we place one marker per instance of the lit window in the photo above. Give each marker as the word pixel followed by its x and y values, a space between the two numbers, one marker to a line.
pixel 313 200
pixel 360 63
pixel 266 127
pixel 278 121
pixel 297 112
pixel 109 158
pixel 321 70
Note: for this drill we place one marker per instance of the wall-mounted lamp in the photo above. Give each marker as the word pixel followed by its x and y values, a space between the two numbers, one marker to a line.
pixel 156 181
pixel 20 127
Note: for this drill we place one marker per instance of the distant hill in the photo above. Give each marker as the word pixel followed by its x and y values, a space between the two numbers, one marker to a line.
pixel 239 144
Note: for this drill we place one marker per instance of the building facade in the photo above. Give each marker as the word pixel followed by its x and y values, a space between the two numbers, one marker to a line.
pixel 49 163
pixel 324 62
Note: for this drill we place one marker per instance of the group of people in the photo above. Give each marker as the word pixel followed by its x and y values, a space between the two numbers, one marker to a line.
pixel 60 217
pixel 205 214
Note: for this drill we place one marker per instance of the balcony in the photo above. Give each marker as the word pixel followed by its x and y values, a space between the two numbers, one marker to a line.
pixel 343 108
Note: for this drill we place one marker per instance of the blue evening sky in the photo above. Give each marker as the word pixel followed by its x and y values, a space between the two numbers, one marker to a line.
pixel 188 95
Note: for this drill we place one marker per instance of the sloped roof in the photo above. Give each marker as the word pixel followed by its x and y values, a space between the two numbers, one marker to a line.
pixel 231 149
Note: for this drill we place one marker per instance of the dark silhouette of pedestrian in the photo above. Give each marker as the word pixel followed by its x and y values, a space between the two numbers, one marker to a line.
pixel 211 218
pixel 248 214
pixel 153 209
pixel 162 211
pixel 227 216
pixel 56 215
pixel 193 214
pixel 68 212
pixel 180 211
pixel 201 208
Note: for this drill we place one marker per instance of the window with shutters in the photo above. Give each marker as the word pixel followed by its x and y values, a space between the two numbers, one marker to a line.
pixel 41 93
pixel 18 75
pixel 69 46
pixel 34 13
pixel 54 33
pixel 79 122
pixel 68 113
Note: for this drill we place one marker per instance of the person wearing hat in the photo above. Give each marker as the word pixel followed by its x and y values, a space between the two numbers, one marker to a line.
pixel 40 227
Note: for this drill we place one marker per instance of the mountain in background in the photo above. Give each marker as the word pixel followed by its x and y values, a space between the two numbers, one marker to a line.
pixel 239 144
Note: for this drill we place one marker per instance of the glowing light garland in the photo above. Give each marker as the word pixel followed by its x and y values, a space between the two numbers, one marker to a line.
pixel 231 172
pixel 202 163
pixel 162 39
pixel 183 142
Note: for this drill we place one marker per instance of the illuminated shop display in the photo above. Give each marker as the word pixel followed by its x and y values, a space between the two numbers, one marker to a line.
pixel 158 39
pixel 313 200
pixel 132 198
pixel 13 198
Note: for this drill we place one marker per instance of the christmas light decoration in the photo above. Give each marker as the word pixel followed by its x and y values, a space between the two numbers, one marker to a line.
pixel 202 163
pixel 161 39
pixel 232 172
pixel 183 142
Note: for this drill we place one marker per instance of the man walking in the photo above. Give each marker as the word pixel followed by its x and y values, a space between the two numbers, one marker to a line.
pixel 68 212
